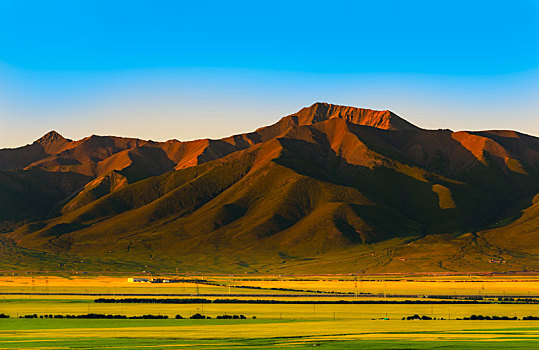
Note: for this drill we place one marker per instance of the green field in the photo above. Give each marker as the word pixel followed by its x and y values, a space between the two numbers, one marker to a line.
pixel 215 334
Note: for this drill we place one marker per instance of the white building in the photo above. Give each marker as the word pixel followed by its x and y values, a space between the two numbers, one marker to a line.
pixel 137 279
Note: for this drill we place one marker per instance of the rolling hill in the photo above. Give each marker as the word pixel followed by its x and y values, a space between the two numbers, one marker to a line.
pixel 327 189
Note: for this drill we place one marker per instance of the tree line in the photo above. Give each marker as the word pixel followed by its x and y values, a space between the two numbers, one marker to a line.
pixel 272 301
pixel 99 316
pixel 476 318
pixel 196 316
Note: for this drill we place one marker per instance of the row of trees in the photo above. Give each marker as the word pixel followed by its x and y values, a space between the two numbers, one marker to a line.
pixel 154 301
pixel 519 300
pixel 296 290
pixel 272 301
pixel 98 316
pixel 476 317
pixel 417 317
pixel 496 318
pixel 242 317
pixel 196 316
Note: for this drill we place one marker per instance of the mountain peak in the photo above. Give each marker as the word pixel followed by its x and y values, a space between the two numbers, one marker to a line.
pixel 52 142
pixel 51 136
pixel 321 111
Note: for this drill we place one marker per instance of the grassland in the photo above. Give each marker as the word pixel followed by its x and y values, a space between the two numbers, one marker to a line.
pixel 330 326
pixel 215 334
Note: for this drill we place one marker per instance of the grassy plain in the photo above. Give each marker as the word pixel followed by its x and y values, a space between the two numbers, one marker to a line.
pixel 215 334
pixel 330 326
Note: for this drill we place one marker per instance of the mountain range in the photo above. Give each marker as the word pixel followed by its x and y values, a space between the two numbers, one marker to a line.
pixel 329 189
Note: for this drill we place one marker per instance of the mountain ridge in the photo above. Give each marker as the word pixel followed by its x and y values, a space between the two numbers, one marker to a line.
pixel 324 180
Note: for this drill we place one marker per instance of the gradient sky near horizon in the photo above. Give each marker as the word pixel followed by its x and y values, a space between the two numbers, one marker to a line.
pixel 186 70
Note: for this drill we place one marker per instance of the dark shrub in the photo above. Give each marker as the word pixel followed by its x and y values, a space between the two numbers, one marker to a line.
pixel 197 316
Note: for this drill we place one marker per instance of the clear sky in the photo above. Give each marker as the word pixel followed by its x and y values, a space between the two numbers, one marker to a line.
pixel 193 69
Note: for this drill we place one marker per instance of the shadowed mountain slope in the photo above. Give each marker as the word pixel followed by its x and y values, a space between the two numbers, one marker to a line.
pixel 325 182
pixel 19 158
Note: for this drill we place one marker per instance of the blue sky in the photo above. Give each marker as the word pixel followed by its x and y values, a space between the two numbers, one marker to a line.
pixel 172 69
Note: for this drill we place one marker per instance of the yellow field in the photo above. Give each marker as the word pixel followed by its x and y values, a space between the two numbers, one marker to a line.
pixel 469 285
pixel 116 285
pixel 332 326
pixel 22 306
pixel 110 285
pixel 336 329
pixel 51 304
pixel 426 285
